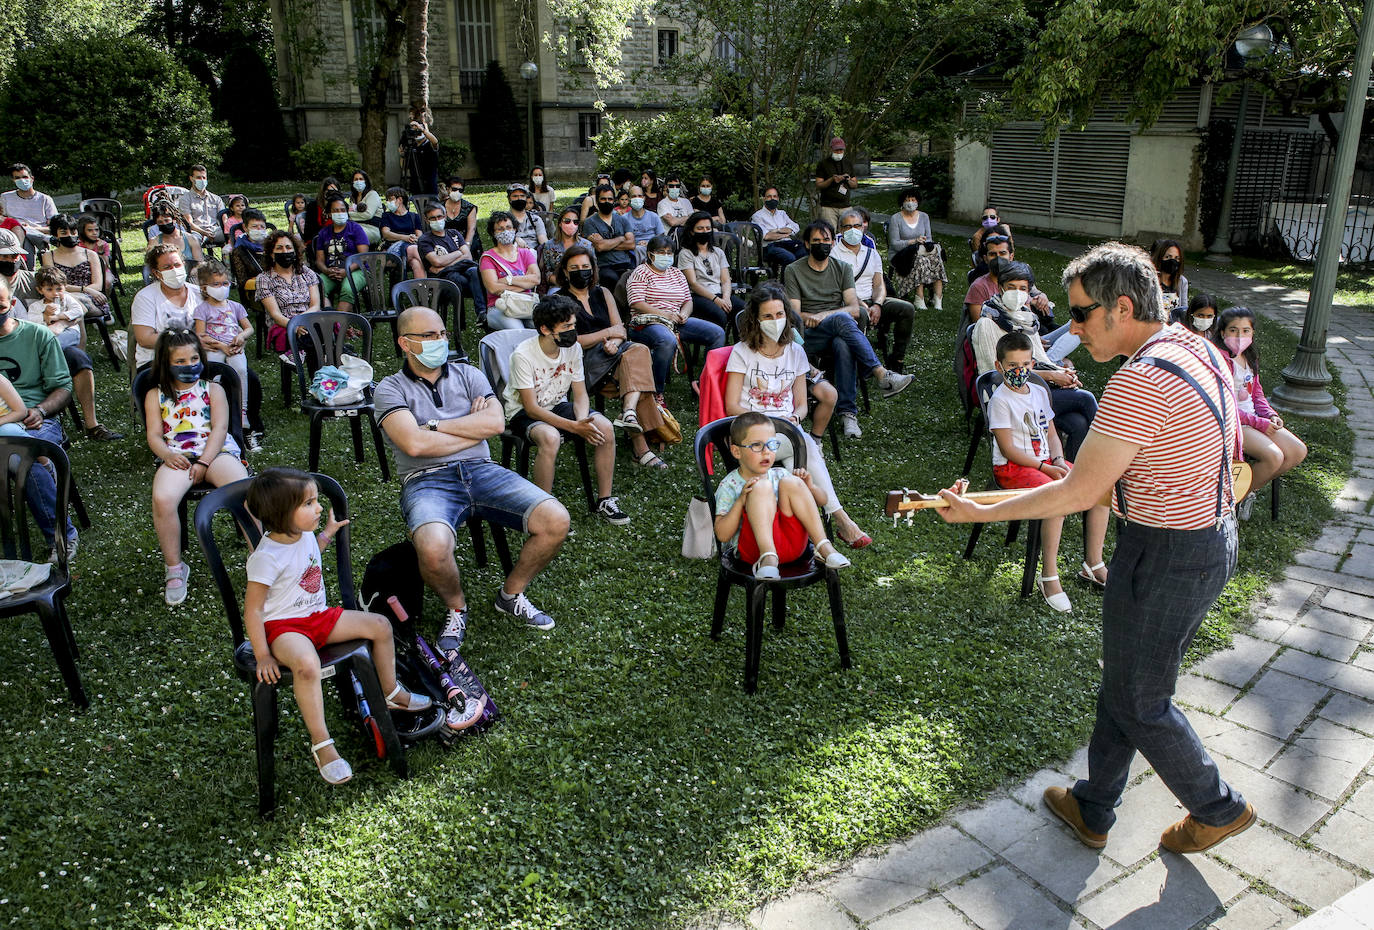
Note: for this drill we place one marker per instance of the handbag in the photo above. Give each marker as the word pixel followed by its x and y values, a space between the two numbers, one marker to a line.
pixel 698 537
pixel 516 305
pixel 670 432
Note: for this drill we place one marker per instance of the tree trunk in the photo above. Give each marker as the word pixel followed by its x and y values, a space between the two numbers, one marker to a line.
pixel 372 112
pixel 417 57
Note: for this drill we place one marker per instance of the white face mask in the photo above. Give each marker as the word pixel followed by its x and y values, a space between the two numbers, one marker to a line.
pixel 360 186
pixel 217 291
pixel 852 236
pixel 537 179
pixel 201 183
pixel 773 328
pixel 1015 300
pixel 1203 323
pixel 393 205
pixel 455 196
pixel 673 192
pixel 257 235
pixel 663 262
pixel 436 225
pixel 175 278
pixel 339 218
pixel 910 206
pixel 837 156
pixel 636 203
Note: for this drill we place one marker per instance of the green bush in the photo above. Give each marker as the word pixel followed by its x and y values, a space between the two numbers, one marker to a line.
pixel 105 113
pixel 323 158
pixel 930 175
pixel 453 155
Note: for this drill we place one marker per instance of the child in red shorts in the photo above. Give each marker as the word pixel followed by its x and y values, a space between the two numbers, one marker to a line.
pixel 286 612
pixel 765 513
pixel 1026 453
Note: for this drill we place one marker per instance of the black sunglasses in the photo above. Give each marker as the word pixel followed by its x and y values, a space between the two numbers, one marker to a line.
pixel 1080 314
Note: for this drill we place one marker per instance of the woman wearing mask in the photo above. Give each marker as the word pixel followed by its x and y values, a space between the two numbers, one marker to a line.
pixel 286 288
pixel 168 302
pixel 167 231
pixel 652 187
pixel 707 201
pixel 85 276
pixel 661 310
pixel 365 207
pixel 608 357
pixel 540 191
pixel 989 222
pixel 506 266
pixel 707 273
pixel 916 257
pixel 1167 257
pixel 316 215
pixel 1201 315
pixel 565 236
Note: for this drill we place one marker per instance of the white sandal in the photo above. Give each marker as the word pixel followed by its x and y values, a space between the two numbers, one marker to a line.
pixel 417 702
pixel 1089 574
pixel 1060 601
pixel 629 420
pixel 834 559
pixel 336 772
pixel 767 572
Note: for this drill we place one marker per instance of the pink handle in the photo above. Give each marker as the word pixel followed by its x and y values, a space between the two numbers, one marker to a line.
pixel 397 609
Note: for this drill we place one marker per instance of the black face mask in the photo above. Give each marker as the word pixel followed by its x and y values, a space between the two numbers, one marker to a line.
pixel 166 228
pixel 67 242
pixel 994 266
pixel 518 205
pixel 1169 266
pixel 580 278
pixel 820 251
pixel 604 207
pixel 771 204
pixel 701 238
pixel 7 268
pixel 565 340
pixel 284 259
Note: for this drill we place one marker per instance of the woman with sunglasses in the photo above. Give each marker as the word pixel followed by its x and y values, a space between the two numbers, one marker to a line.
pixel 565 236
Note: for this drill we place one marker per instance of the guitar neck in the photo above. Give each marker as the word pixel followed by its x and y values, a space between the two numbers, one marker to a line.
pixel 899 502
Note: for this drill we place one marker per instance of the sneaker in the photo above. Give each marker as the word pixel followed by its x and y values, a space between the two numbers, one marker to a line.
pixel 849 423
pixel 1246 507
pixel 894 383
pixel 451 639
pixel 254 441
pixel 287 359
pixel 174 588
pixel 102 433
pixel 609 510
pixel 71 552
pixel 519 606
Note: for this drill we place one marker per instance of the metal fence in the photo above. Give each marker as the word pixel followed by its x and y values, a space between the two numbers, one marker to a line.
pixel 1280 207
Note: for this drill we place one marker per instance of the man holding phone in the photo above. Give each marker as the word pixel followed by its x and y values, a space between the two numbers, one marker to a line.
pixel 835 181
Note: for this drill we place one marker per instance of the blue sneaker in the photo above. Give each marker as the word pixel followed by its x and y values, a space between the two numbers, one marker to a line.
pixel 451 639
pixel 520 606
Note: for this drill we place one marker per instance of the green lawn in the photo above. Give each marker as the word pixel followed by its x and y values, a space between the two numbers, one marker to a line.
pixel 632 783
pixel 1354 285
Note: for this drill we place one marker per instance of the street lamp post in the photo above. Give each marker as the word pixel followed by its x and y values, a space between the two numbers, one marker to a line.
pixel 1305 379
pixel 1251 43
pixel 529 71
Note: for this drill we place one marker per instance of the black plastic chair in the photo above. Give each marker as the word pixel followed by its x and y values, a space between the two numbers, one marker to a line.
pixel 987 383
pixel 735 572
pixel 439 295
pixel 105 204
pixel 747 267
pixel 381 272
pixel 494 353
pixel 226 378
pixel 323 339
pixel 108 224
pixel 352 655
pixel 48 600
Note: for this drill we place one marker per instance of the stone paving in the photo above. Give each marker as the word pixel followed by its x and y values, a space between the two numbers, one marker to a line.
pixel 1287 712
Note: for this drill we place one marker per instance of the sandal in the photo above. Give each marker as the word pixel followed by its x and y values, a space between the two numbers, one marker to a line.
pixel 650 460
pixel 336 772
pixel 414 702
pixel 834 559
pixel 174 588
pixel 629 420
pixel 767 572
pixel 1060 601
pixel 1089 574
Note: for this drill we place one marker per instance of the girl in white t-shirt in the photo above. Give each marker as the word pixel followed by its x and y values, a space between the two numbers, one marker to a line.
pixel 286 611
pixel 767 373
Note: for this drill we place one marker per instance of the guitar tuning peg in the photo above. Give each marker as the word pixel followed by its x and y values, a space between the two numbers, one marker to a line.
pixel 895 518
pixel 910 517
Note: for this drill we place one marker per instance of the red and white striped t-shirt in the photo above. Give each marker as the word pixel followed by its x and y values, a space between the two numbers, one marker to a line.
pixel 664 292
pixel 1172 481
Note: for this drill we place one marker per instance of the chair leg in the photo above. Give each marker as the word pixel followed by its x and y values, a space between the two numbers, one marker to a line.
pixel 287 375
pixel 834 432
pixel 315 424
pixel 382 461
pixel 1013 529
pixel 832 587
pixel 863 390
pixel 181 518
pixel 479 541
pixel 580 446
pixel 109 345
pixel 753 635
pixel 356 427
pixel 721 602
pixel 973 540
pixel 507 448
pixel 779 608
pixel 975 440
pixel 83 519
pixel 56 627
pixel 498 538
pixel 265 741
pixel 1032 566
pixel 372 690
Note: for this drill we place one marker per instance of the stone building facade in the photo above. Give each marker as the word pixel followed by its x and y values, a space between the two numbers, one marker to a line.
pixel 320 43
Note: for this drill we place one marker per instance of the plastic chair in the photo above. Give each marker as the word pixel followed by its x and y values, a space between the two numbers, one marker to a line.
pixel 733 571
pixel 226 378
pixel 105 204
pixel 108 224
pixel 747 267
pixel 438 294
pixel 494 351
pixel 987 383
pixel 323 338
pixel 48 600
pixel 352 655
pixel 381 272
pixel 114 288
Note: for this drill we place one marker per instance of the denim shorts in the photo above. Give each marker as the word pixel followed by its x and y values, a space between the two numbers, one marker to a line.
pixel 453 493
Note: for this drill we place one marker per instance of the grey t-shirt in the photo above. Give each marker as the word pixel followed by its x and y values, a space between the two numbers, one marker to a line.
pixel 818 291
pixel 448 398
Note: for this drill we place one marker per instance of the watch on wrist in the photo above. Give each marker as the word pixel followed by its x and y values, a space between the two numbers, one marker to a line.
pixel 432 425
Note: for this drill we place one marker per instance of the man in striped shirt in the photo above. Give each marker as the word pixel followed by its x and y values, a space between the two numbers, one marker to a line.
pixel 1163 441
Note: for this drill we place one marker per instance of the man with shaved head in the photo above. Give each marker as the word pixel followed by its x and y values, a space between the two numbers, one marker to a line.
pixel 438 416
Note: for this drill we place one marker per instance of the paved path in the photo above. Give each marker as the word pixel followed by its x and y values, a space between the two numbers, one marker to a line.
pixel 1286 711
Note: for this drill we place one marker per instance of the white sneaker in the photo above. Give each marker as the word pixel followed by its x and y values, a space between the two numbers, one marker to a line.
pixel 894 384
pixel 920 303
pixel 849 424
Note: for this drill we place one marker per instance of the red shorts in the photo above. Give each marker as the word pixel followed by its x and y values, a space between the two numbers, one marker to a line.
pixel 1012 475
pixel 315 627
pixel 789 536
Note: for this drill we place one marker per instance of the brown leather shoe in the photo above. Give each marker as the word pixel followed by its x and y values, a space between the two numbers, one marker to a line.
pixel 1065 806
pixel 1189 836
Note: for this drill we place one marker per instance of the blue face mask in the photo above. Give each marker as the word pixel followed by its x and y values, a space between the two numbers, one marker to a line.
pixel 433 353
pixel 188 374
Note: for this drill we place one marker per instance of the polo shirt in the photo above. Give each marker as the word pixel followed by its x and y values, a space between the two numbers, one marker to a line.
pixel 449 398
pixel 818 291
pixel 203 208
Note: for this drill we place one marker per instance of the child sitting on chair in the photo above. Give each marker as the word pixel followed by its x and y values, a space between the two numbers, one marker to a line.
pixel 56 309
pixel 766 513
pixel 1026 453
pixel 287 613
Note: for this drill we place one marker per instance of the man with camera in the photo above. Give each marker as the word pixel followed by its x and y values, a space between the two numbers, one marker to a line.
pixel 835 180
pixel 419 150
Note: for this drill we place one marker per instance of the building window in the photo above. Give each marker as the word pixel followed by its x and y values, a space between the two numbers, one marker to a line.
pixel 588 128
pixel 724 51
pixel 581 46
pixel 368 31
pixel 476 45
pixel 667 46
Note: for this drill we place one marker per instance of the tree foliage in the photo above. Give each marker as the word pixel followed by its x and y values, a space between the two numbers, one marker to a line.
pixel 1145 51
pixel 672 142
pixel 126 114
pixel 33 23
